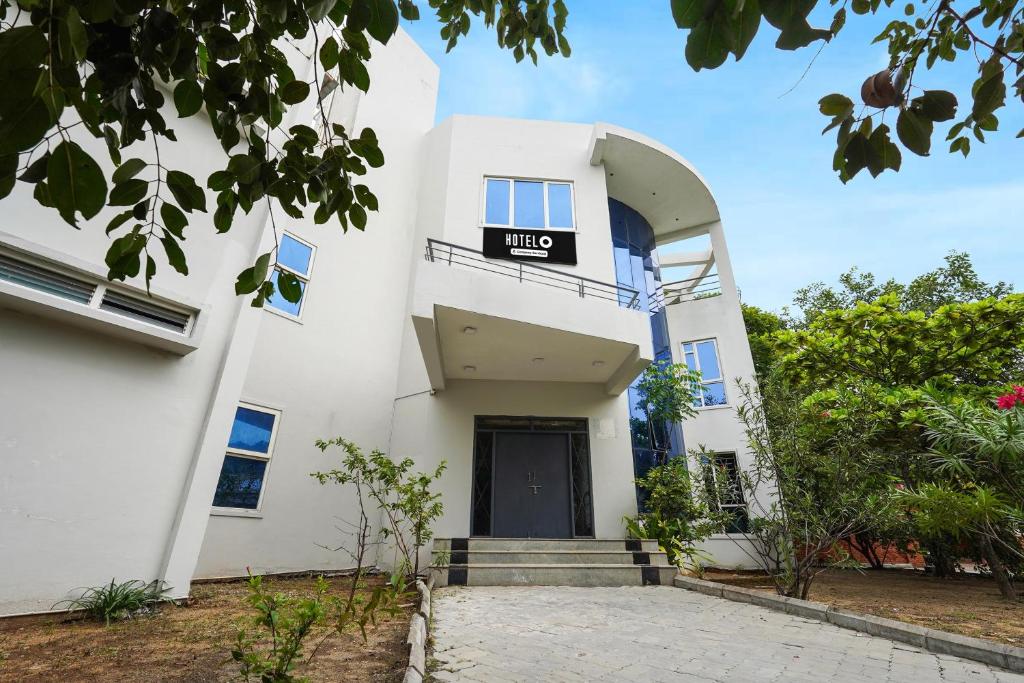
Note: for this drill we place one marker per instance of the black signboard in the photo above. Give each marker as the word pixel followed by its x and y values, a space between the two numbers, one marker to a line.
pixel 546 246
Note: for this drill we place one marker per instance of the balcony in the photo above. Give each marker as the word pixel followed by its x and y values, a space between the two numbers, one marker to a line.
pixel 484 319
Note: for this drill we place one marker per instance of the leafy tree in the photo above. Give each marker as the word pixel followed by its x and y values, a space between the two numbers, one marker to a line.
pixel 977 489
pixel 955 282
pixel 104 69
pixel 761 325
pixel 808 488
pixel 990 31
pixel 665 393
pixel 679 513
pixel 869 366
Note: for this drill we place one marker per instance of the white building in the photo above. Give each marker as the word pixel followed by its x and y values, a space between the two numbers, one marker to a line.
pixel 123 418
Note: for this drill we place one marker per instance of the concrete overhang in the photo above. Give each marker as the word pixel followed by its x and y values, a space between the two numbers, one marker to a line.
pixel 583 340
pixel 655 181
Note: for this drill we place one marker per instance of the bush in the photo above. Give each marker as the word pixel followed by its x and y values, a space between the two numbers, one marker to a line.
pixel 118 601
pixel 676 513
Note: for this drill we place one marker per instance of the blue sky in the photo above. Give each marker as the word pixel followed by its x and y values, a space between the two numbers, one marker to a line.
pixel 788 219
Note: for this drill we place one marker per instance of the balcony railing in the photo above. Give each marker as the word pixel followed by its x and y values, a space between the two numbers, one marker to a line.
pixel 455 255
pixel 686 290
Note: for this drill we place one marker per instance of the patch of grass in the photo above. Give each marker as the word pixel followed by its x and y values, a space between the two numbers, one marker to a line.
pixel 115 601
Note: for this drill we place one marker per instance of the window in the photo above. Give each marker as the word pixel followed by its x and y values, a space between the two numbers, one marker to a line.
pixel 724 486
pixel 539 204
pixel 245 464
pixel 702 356
pixel 295 257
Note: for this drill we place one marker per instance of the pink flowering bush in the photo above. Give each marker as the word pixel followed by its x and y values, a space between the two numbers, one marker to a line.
pixel 1016 397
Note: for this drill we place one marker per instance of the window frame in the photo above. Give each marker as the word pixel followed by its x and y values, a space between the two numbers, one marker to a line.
pixel 739 488
pixel 719 380
pixel 250 455
pixel 304 279
pixel 512 202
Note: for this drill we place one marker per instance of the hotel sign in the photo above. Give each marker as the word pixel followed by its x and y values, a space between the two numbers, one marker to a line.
pixel 546 246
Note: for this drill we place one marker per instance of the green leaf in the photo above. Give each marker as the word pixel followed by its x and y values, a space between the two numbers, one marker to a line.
pixel 8 173
pixel 989 95
pixel 835 105
pixel 936 105
pixel 914 131
pixel 707 45
pixel 128 170
pixel 188 195
pixel 188 98
pixel 383 19
pixel 289 286
pixel 318 9
pixel 329 53
pixel 36 171
pixel 119 220
pixel 77 33
pixel 173 219
pixel 883 152
pixel 366 197
pixel 245 168
pixel 294 92
pixel 687 13
pixel 357 215
pixel 128 192
pixel 175 256
pixel 76 182
pixel 250 279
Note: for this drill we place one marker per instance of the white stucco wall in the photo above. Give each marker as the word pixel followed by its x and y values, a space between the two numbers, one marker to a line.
pixel 98 435
pixel 718 428
pixel 334 372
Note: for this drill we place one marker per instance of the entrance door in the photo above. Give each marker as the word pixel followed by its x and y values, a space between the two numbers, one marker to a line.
pixel 532 498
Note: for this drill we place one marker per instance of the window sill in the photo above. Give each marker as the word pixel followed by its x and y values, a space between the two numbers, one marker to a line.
pixel 703 408
pixel 236 512
pixel 281 314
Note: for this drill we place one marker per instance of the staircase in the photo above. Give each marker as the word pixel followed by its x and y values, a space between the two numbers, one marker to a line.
pixel 549 562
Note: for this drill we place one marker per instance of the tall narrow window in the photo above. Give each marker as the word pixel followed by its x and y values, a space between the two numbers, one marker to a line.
pixel 535 204
pixel 294 258
pixel 702 356
pixel 726 488
pixel 248 453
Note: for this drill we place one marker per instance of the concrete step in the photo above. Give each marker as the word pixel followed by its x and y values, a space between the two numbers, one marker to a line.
pixel 575 557
pixel 553 575
pixel 547 544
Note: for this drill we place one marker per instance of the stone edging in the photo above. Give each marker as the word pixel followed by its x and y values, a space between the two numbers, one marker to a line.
pixel 417 638
pixel 940 642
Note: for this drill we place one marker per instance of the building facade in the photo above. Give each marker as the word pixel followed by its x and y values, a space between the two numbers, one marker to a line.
pixel 172 436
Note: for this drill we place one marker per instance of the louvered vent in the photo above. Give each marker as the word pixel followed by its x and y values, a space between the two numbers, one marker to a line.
pixel 146 311
pixel 45 280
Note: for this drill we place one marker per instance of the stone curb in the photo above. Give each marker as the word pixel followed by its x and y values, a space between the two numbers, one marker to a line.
pixel 417 638
pixel 939 642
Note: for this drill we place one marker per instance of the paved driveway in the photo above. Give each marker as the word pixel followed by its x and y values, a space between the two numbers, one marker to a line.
pixel 658 633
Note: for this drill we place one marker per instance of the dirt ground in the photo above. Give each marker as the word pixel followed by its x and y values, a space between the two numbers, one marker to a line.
pixel 969 605
pixel 192 643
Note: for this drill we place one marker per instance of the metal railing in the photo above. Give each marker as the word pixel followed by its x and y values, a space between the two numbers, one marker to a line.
pixel 686 290
pixel 453 254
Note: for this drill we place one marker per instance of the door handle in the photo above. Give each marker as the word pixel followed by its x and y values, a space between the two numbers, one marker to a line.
pixel 536 488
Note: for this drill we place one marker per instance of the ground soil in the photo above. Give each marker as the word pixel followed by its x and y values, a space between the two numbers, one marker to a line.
pixel 969 605
pixel 192 642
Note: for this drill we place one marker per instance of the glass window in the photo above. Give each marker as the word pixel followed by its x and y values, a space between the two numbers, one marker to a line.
pixel 295 257
pixel 702 356
pixel 725 486
pixel 559 205
pixel 529 198
pixel 496 211
pixel 240 483
pixel 245 464
pixel 534 204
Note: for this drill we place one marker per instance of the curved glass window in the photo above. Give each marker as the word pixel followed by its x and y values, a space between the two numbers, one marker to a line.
pixel 636 266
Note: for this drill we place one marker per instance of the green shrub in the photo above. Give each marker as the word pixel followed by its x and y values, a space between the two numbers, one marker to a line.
pixel 117 600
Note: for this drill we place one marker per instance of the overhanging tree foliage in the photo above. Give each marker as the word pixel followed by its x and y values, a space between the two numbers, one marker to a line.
pixel 105 68
pixel 991 31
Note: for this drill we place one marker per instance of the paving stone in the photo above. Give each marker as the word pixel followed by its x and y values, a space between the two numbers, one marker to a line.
pixel 660 633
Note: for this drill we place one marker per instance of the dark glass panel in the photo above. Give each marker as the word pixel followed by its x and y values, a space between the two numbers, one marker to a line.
pixel 241 480
pixel 251 430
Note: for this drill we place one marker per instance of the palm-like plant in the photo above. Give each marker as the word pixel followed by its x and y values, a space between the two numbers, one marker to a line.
pixel 978 491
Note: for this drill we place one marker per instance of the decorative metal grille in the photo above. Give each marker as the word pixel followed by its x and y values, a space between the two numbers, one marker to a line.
pixel 582 503
pixel 483 463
